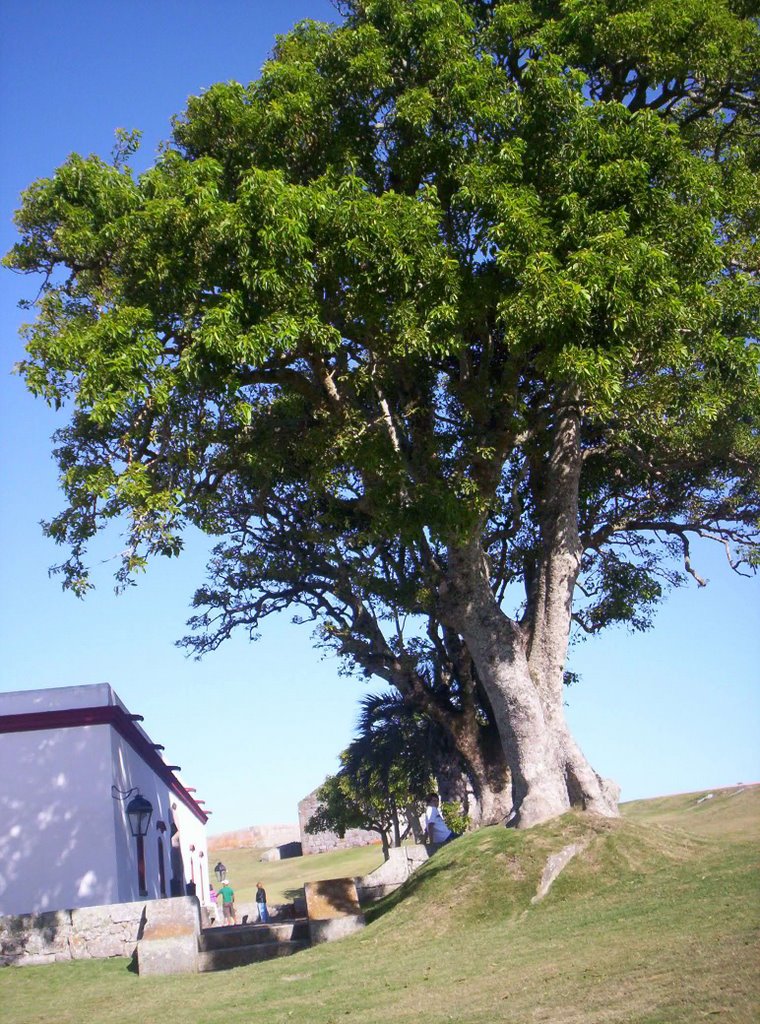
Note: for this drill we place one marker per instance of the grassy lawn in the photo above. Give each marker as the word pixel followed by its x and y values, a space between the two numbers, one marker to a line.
pixel 656 922
pixel 284 879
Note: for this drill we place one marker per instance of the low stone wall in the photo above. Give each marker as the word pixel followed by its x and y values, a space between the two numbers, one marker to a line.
pixel 333 909
pixel 82 934
pixel 392 873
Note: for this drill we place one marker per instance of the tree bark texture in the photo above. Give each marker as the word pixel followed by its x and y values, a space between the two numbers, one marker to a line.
pixel 481 780
pixel 521 665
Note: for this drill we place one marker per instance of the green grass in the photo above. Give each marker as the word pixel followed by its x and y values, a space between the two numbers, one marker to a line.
pixel 733 812
pixel 655 923
pixel 284 879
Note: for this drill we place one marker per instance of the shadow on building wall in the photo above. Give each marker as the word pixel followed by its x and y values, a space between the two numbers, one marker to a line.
pixel 51 829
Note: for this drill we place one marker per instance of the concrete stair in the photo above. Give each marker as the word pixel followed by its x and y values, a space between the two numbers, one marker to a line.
pixel 238 945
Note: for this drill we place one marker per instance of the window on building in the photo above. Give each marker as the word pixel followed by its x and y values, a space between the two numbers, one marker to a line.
pixel 143 888
pixel 161 867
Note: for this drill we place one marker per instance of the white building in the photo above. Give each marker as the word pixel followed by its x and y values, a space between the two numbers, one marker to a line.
pixel 72 760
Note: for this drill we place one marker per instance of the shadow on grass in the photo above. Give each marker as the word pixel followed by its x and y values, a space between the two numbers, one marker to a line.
pixel 431 869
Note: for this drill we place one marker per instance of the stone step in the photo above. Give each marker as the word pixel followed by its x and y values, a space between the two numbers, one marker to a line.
pixel 232 936
pixel 241 956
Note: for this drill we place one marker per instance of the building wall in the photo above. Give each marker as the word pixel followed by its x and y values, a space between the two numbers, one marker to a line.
pixel 57 698
pixel 57 842
pixel 65 840
pixel 193 849
pixel 130 772
pixel 185 854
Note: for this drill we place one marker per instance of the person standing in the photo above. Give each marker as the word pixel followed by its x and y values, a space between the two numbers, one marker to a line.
pixel 228 903
pixel 438 832
pixel 261 903
pixel 220 871
pixel 213 910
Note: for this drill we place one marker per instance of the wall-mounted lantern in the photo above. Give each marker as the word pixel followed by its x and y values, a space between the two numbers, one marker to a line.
pixel 139 812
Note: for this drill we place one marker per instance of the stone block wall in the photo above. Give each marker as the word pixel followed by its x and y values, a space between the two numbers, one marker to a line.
pixel 284 852
pixel 169 941
pixel 392 873
pixel 324 841
pixel 83 934
pixel 333 909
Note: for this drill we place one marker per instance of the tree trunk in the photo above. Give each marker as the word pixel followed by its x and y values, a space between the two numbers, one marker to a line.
pixel 414 827
pixel 482 783
pixel 521 665
pixel 498 648
pixel 476 749
pixel 548 615
pixel 396 828
pixel 385 843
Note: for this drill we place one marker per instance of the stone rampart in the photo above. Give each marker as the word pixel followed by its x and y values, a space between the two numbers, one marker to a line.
pixel 263 836
pixel 322 842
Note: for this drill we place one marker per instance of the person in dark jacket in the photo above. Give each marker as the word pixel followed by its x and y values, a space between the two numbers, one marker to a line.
pixel 261 903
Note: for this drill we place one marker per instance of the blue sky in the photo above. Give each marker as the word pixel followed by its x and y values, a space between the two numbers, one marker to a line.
pixel 257 726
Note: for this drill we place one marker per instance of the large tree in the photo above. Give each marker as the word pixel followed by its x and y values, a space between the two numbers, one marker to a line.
pixel 445 326
pixel 365 599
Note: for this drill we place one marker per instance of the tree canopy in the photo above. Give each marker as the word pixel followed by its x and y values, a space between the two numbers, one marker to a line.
pixel 445 325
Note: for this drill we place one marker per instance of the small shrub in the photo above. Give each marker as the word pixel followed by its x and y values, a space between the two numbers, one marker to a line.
pixel 455 817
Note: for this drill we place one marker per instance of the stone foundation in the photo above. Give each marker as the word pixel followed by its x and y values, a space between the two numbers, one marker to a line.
pixel 83 934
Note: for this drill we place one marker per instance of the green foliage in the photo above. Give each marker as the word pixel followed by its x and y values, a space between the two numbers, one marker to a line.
pixel 339 809
pixel 384 776
pixel 341 320
pixel 455 818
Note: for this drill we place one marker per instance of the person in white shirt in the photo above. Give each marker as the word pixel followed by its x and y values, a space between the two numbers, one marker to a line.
pixel 437 830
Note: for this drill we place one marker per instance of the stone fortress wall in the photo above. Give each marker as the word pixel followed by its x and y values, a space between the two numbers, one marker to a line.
pixel 259 836
pixel 274 838
pixel 325 841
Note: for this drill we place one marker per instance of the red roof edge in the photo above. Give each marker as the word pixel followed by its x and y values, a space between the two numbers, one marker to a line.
pixel 122 722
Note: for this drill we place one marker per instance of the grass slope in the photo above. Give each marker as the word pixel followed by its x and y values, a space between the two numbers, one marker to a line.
pixel 284 879
pixel 732 812
pixel 655 922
